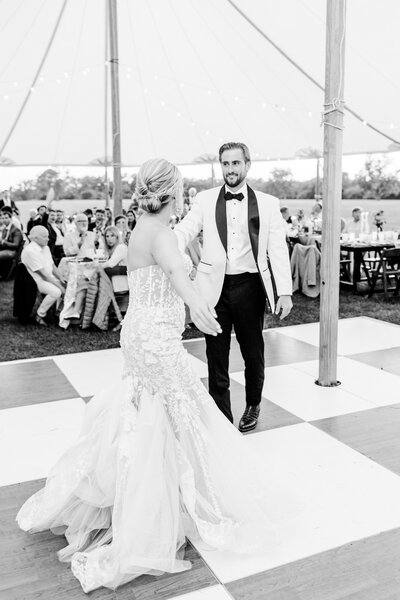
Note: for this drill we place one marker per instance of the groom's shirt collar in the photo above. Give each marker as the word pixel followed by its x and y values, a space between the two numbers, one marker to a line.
pixel 241 190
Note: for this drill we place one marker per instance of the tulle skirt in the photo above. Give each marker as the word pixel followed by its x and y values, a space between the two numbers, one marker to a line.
pixel 134 486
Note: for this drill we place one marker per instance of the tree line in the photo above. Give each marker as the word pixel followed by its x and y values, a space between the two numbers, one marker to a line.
pixel 373 181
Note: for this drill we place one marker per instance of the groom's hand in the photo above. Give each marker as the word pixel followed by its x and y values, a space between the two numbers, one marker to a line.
pixel 283 306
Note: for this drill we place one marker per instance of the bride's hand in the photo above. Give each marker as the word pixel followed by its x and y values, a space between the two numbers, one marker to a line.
pixel 204 317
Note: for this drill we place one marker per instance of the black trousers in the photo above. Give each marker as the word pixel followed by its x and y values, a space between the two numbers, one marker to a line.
pixel 241 305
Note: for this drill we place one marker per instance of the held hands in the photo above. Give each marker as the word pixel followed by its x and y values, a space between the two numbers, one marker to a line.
pixel 204 317
pixel 284 304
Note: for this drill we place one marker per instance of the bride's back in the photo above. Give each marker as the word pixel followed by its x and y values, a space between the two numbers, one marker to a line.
pixel 140 244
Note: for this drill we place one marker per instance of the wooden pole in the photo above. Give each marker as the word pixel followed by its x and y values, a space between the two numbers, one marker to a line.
pixel 106 57
pixel 117 187
pixel 332 192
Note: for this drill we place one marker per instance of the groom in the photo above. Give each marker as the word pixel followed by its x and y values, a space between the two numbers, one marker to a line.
pixel 243 235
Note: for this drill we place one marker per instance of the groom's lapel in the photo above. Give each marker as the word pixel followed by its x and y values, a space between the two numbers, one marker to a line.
pixel 220 218
pixel 254 221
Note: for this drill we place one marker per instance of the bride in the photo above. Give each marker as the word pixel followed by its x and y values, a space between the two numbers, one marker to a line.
pixel 156 461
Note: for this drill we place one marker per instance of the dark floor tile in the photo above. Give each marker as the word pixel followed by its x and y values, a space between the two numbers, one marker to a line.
pixel 279 350
pixel 30 568
pixel 272 416
pixel 32 383
pixel 374 433
pixel 363 570
pixel 387 359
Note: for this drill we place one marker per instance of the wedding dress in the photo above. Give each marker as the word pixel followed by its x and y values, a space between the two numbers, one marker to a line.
pixel 156 461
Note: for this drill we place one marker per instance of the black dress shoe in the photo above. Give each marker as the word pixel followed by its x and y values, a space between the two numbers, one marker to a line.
pixel 249 418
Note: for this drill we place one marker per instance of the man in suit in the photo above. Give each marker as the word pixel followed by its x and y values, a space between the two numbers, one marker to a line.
pixel 243 233
pixel 5 200
pixel 10 241
pixel 56 238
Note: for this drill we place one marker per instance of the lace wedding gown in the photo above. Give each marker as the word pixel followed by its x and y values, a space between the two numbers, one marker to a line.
pixel 156 461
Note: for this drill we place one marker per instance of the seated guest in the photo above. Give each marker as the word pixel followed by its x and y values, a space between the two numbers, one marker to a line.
pixel 98 228
pixel 10 241
pixel 121 223
pixel 131 219
pixel 109 217
pixel 286 215
pixel 5 200
pixel 117 255
pixel 80 242
pixel 37 258
pixel 353 225
pixel 60 221
pixel 39 219
pixel 56 238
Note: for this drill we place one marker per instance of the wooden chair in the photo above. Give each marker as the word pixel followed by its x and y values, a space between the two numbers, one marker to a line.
pixel 345 268
pixel 387 269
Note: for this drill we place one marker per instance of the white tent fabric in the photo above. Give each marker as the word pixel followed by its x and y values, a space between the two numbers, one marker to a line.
pixel 193 73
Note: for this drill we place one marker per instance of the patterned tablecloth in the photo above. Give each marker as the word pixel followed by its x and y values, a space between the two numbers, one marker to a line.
pixel 77 274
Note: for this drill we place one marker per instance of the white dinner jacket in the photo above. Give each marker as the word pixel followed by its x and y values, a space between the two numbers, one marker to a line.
pixel 267 238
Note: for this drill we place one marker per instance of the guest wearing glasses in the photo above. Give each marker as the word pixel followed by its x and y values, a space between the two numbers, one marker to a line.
pixel 80 242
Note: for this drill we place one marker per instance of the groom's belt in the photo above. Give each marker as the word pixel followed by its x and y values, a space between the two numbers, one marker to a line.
pixel 239 277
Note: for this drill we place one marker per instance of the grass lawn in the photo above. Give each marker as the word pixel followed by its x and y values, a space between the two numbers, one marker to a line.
pixel 31 341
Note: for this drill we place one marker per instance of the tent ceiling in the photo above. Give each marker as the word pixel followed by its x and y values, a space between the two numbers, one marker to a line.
pixel 193 73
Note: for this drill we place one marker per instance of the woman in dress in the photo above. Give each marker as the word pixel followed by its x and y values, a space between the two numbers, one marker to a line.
pixel 156 461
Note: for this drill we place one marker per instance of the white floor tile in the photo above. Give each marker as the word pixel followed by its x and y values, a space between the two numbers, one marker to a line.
pixel 323 495
pixel 90 372
pixel 32 438
pixel 215 592
pixel 359 334
pixel 377 387
pixel 296 392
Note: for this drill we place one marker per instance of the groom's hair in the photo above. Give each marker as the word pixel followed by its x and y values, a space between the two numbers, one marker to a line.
pixel 234 146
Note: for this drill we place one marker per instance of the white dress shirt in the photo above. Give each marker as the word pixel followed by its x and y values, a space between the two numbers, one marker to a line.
pixel 34 257
pixel 60 237
pixel 240 258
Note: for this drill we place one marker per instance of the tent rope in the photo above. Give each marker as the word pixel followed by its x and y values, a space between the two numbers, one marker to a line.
pixel 39 69
pixel 307 75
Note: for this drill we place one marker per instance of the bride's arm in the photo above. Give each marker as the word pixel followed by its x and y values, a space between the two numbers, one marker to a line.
pixel 167 254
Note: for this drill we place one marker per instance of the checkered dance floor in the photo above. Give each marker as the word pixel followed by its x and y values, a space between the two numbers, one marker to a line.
pixel 337 449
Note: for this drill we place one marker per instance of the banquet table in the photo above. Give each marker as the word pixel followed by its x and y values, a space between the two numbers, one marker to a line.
pixel 360 250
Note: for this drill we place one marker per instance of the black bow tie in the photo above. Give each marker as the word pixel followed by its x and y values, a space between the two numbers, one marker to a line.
pixel 230 196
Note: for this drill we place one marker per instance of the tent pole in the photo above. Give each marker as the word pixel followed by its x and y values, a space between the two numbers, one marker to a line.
pixel 117 187
pixel 106 186
pixel 332 192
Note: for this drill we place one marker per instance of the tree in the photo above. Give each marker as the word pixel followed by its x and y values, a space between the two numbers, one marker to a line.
pixel 281 183
pixel 46 180
pixel 376 182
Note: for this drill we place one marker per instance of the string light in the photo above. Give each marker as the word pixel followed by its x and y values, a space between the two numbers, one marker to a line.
pixel 283 109
pixel 365 123
pixel 310 114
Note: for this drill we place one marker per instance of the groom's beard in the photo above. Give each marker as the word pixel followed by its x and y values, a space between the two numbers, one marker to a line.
pixel 233 180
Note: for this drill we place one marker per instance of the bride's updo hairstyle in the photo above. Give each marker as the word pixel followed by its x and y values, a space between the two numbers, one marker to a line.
pixel 158 182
